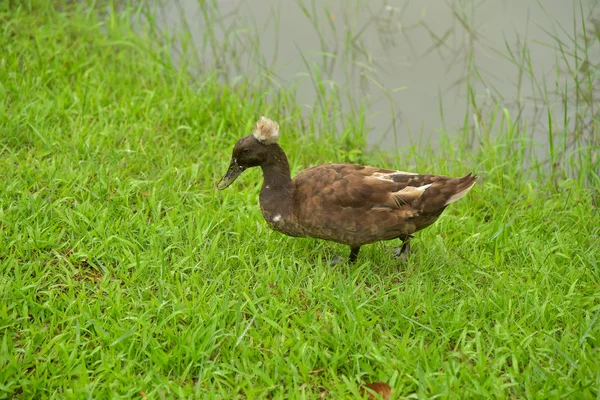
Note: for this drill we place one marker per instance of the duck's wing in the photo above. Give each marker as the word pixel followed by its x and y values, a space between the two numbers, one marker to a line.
pixel 363 187
pixel 356 186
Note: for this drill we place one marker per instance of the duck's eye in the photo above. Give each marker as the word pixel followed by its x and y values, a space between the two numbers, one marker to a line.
pixel 245 151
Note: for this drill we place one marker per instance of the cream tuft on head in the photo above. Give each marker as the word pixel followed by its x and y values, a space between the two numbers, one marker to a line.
pixel 266 131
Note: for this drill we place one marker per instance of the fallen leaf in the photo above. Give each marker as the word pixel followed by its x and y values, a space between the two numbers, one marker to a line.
pixel 381 388
pixel 143 394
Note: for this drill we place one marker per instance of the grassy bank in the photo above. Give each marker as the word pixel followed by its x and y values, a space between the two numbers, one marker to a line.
pixel 124 273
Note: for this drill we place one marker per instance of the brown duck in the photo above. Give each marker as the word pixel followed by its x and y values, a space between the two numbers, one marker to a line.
pixel 344 203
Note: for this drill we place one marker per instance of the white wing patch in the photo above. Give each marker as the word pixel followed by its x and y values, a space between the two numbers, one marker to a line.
pixel 414 189
pixel 409 194
pixel 387 177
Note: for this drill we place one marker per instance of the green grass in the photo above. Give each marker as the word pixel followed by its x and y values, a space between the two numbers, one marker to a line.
pixel 124 273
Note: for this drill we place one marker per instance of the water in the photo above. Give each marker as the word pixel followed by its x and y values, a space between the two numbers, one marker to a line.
pixel 408 59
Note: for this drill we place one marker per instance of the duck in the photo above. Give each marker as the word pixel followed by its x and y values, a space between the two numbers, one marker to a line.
pixel 351 204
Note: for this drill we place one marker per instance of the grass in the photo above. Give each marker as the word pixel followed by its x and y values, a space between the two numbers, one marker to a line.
pixel 125 274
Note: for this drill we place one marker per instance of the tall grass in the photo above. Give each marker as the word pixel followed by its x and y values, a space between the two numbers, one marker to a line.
pixel 124 274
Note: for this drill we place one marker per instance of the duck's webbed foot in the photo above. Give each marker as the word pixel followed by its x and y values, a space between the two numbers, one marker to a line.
pixel 337 260
pixel 351 259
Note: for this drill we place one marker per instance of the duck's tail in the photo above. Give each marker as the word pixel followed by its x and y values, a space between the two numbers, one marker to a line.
pixel 460 186
pixel 444 192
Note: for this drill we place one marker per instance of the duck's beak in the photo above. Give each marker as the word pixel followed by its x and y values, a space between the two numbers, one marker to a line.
pixel 231 175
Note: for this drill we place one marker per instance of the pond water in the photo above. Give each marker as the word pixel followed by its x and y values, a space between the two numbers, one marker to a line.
pixel 407 59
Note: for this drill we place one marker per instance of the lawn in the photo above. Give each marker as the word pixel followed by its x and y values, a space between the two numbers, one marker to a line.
pixel 125 273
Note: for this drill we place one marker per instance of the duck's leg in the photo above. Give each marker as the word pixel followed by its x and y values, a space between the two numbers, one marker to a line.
pixel 353 254
pixel 403 252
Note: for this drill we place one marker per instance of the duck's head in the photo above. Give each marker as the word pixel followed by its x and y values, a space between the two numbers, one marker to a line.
pixel 251 151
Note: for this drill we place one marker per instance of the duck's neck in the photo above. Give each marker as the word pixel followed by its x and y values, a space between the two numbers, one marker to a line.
pixel 277 189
